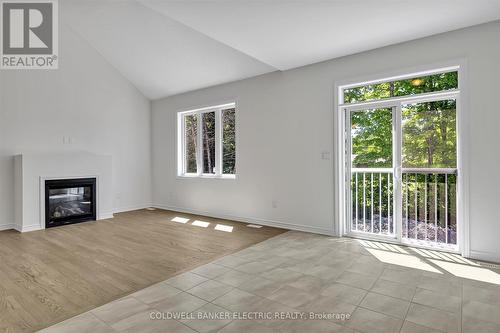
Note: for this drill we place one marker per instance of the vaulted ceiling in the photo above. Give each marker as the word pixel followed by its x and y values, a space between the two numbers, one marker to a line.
pixel 168 47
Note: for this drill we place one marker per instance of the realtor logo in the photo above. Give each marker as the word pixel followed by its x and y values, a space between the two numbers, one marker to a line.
pixel 29 34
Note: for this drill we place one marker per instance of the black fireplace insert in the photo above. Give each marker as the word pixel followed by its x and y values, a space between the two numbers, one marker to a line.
pixel 69 201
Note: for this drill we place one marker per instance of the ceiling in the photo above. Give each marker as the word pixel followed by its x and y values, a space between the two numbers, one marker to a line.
pixel 168 47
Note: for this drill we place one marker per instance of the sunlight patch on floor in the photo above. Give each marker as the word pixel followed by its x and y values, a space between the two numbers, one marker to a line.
pixel 223 227
pixel 382 246
pixel 180 219
pixel 444 256
pixel 401 259
pixel 468 272
pixel 431 261
pixel 202 224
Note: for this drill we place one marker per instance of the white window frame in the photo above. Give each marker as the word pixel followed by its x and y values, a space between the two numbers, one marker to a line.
pixel 181 142
pixel 461 96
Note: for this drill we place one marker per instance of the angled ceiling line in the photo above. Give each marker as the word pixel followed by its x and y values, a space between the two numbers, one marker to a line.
pixel 103 58
pixel 206 35
pixel 225 64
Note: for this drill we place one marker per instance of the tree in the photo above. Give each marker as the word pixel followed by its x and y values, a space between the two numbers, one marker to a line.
pixel 191 142
pixel 228 141
pixel 429 129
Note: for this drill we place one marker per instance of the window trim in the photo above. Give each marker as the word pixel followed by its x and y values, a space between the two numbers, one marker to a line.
pixel 181 143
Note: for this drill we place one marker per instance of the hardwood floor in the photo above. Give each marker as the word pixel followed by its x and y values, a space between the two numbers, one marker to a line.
pixel 51 275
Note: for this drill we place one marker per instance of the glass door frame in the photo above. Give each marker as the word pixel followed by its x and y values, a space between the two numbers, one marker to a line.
pixel 348 151
pixel 396 104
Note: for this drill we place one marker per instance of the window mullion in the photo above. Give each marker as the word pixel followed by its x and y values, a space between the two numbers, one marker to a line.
pixel 218 142
pixel 183 145
pixel 199 148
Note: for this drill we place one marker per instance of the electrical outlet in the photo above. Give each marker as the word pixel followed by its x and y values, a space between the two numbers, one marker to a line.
pixel 325 155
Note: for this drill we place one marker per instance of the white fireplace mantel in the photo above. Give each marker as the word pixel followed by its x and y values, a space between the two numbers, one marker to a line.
pixel 31 171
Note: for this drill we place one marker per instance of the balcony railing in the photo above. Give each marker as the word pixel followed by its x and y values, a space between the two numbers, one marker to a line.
pixel 372 199
pixel 428 203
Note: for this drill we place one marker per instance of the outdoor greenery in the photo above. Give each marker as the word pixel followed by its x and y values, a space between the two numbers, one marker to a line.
pixel 191 132
pixel 428 141
pixel 228 141
pixel 429 135
pixel 429 129
pixel 415 188
pixel 208 129
pixel 208 135
pixel 371 133
pixel 412 86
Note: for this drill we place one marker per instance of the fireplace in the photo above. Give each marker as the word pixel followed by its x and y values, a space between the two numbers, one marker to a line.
pixel 70 201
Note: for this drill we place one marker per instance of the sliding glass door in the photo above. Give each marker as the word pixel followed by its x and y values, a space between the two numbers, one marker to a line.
pixel 401 171
pixel 429 172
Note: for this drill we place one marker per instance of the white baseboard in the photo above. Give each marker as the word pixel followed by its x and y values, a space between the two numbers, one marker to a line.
pixel 7 226
pixel 485 255
pixel 253 220
pixel 28 228
pixel 105 216
pixel 101 216
pixel 130 208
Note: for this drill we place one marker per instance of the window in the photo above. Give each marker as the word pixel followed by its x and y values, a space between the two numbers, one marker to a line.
pixel 228 141
pixel 429 134
pixel 191 134
pixel 411 86
pixel 371 138
pixel 207 142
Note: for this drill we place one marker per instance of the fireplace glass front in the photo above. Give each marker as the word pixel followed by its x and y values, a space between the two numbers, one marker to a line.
pixel 69 201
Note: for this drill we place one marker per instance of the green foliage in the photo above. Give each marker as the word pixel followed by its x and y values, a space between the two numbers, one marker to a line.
pixel 228 141
pixel 208 130
pixel 429 129
pixel 429 135
pixel 191 134
pixel 208 121
pixel 428 141
pixel 372 138
pixel 413 86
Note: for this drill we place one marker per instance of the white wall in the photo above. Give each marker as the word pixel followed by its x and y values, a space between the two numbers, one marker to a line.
pixel 285 121
pixel 85 99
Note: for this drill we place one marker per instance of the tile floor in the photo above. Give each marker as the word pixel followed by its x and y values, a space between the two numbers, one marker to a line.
pixel 380 287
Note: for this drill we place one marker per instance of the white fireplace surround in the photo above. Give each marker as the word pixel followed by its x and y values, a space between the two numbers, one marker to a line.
pixel 32 170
